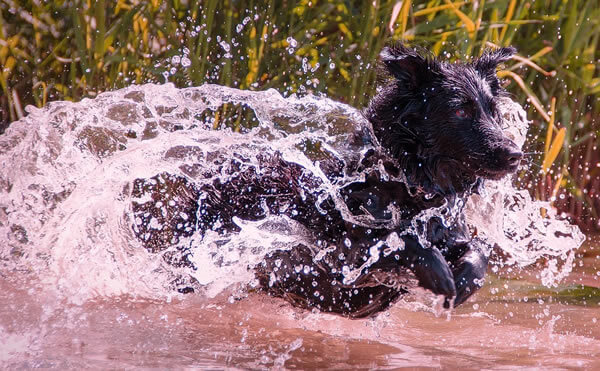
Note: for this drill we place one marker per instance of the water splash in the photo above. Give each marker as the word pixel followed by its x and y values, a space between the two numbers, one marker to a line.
pixel 70 171
pixel 511 219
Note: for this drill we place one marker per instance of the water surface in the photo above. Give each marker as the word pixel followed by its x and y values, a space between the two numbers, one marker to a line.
pixel 510 322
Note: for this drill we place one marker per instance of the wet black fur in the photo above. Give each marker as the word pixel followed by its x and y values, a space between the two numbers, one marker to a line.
pixel 434 121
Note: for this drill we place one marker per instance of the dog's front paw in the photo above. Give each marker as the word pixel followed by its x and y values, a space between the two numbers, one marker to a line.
pixel 468 278
pixel 434 274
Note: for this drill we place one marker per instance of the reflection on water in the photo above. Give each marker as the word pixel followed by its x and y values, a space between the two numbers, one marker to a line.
pixel 510 322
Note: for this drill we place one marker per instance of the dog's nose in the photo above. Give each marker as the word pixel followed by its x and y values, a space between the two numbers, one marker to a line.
pixel 508 157
pixel 513 158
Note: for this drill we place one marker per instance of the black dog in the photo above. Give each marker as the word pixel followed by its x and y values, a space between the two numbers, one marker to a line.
pixel 438 133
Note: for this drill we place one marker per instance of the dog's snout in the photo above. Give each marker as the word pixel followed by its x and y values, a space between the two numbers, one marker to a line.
pixel 509 156
pixel 513 158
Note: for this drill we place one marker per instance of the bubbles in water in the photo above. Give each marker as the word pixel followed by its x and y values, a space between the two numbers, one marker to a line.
pixel 292 44
pixel 225 47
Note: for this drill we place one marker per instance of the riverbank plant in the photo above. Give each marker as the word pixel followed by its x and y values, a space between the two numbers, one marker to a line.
pixel 69 49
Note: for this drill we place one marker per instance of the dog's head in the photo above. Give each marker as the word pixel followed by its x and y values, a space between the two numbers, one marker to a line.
pixel 444 113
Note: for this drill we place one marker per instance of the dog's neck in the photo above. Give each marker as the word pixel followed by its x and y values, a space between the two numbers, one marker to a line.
pixel 437 176
pixel 430 176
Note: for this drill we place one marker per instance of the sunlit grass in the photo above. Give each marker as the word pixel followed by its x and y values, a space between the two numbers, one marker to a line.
pixel 63 49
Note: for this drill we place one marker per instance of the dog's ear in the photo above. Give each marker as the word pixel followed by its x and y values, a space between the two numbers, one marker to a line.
pixel 408 66
pixel 489 61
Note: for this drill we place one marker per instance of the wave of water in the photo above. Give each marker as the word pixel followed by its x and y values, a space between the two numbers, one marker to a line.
pixel 68 171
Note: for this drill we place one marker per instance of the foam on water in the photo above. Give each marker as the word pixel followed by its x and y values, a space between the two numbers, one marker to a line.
pixel 68 171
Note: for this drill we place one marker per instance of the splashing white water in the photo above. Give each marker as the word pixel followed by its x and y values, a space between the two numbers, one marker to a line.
pixel 68 169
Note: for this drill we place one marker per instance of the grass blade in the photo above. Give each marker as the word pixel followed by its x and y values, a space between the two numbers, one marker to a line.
pixel 555 148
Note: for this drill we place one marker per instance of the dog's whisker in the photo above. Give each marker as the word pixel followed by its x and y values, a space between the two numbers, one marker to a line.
pixel 534 164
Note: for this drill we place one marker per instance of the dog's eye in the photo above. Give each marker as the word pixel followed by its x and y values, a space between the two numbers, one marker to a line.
pixel 462 113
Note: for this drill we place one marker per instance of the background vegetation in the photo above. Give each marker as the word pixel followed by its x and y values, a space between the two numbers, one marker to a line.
pixel 68 49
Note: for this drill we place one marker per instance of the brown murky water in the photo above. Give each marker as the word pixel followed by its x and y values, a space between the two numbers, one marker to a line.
pixel 511 322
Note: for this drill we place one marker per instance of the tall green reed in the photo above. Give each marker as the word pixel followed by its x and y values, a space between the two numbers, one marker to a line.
pixel 68 49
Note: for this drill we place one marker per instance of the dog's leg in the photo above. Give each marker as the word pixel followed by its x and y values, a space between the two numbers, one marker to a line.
pixel 302 280
pixel 469 271
pixel 467 257
pixel 298 277
pixel 428 265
